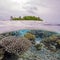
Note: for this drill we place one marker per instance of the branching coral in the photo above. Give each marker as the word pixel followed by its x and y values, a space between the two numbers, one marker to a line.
pixel 16 45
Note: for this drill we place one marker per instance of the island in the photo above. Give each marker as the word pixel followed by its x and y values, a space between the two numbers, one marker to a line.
pixel 26 18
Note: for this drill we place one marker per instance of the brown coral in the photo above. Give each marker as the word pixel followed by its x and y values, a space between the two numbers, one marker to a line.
pixel 16 45
pixel 30 36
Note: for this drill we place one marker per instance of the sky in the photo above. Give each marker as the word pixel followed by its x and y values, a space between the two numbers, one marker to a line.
pixel 48 10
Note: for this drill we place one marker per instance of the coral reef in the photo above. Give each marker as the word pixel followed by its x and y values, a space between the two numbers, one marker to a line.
pixel 52 42
pixel 2 36
pixel 42 33
pixel 30 36
pixel 14 46
pixel 1 53
pixel 18 45
pixel 39 46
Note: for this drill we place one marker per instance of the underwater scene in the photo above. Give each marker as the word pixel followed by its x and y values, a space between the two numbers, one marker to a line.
pixel 30 45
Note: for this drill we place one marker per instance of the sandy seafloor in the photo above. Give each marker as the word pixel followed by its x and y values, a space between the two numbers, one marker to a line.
pixel 7 26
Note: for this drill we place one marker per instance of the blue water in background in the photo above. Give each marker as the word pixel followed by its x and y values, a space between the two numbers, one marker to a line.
pixel 23 32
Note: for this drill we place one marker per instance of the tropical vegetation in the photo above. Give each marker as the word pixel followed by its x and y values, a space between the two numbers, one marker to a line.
pixel 26 18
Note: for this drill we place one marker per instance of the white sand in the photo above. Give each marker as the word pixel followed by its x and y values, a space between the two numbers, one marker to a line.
pixel 7 26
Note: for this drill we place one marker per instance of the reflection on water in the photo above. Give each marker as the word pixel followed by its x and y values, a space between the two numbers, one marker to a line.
pixel 6 26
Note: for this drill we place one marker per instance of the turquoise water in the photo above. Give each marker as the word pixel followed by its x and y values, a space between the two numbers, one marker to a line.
pixel 19 32
pixel 23 32
pixel 39 33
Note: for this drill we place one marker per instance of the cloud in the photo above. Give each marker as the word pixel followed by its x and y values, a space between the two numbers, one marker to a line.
pixel 46 9
pixel 13 5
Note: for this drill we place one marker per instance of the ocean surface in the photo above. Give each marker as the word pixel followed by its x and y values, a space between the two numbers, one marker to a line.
pixel 33 53
pixel 6 26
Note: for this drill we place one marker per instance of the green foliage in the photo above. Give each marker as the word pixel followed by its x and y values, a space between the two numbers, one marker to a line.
pixel 31 18
pixel 26 18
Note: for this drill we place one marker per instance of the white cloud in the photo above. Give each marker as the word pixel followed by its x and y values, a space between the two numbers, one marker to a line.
pixel 22 5
pixel 43 8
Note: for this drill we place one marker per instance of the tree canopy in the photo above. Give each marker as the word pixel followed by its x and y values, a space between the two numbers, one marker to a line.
pixel 26 18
